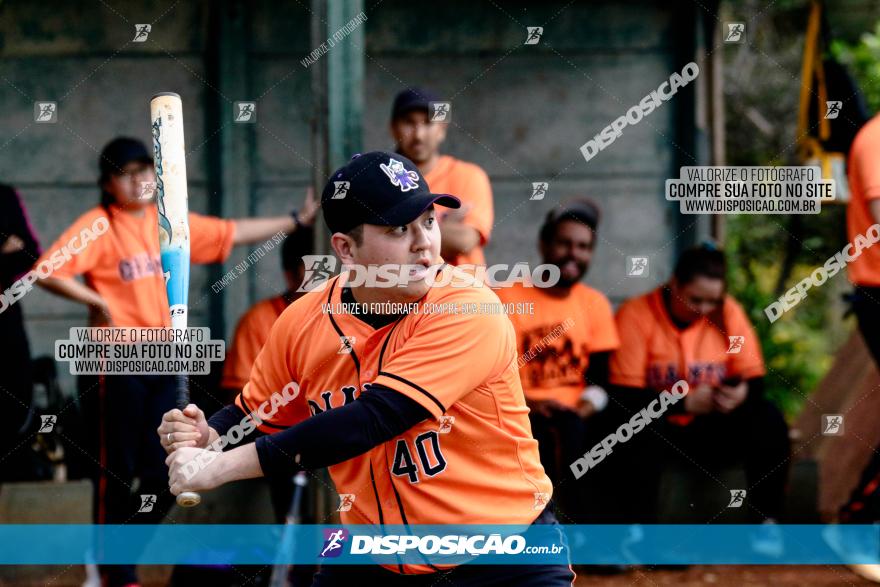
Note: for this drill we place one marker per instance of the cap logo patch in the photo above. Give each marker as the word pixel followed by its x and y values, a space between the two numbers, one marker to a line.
pixel 400 176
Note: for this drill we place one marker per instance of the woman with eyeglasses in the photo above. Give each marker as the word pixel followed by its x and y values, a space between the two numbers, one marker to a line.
pixel 114 249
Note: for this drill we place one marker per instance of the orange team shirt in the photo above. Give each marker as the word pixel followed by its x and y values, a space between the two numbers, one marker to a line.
pixel 474 462
pixel 864 186
pixel 250 336
pixel 123 264
pixel 556 341
pixel 470 184
pixel 654 354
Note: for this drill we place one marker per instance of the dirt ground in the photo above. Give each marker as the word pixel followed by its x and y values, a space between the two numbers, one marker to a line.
pixel 730 576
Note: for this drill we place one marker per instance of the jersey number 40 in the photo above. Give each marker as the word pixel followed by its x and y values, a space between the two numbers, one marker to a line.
pixel 430 458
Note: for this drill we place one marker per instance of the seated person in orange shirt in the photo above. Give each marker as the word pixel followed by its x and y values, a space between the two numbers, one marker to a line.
pixel 464 231
pixel 253 327
pixel 691 329
pixel 564 346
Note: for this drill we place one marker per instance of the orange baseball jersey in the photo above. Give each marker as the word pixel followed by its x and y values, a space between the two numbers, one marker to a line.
pixel 123 264
pixel 250 336
pixel 864 185
pixel 556 341
pixel 475 462
pixel 654 353
pixel 470 184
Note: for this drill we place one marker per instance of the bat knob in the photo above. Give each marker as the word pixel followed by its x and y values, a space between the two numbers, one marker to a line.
pixel 188 499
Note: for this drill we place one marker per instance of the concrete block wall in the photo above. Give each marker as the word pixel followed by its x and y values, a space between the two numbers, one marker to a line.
pixel 521 112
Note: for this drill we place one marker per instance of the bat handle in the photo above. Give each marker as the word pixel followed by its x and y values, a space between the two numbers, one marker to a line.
pixel 187 499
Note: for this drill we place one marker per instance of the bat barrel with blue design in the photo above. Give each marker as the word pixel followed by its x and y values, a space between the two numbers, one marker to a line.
pixel 166 115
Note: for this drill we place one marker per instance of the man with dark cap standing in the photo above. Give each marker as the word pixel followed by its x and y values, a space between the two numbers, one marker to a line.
pixel 419 128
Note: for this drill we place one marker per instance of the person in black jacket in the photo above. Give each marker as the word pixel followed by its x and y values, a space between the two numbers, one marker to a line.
pixel 18 251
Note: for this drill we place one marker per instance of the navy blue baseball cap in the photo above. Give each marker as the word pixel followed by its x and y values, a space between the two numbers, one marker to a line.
pixel 120 152
pixel 378 188
pixel 412 99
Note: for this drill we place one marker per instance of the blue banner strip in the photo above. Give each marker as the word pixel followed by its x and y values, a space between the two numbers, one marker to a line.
pixel 439 545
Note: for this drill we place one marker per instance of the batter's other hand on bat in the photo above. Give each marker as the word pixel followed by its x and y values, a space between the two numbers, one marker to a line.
pixel 183 429
pixel 194 469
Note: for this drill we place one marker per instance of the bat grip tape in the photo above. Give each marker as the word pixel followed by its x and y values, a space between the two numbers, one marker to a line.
pixel 182 387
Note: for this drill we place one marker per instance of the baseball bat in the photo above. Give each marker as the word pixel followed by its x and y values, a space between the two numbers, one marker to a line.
pixel 169 158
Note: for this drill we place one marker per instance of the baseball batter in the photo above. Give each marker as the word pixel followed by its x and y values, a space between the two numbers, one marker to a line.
pixel 420 415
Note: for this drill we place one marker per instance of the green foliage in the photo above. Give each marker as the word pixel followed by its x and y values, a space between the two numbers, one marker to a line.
pixel 863 60
pixel 797 348
pixel 769 254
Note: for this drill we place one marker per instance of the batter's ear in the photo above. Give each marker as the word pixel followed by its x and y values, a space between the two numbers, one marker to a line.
pixel 343 245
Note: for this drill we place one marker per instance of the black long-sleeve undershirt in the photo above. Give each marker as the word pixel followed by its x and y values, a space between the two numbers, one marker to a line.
pixel 376 416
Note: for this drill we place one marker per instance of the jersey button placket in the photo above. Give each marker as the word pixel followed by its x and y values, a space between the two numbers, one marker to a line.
pixel 371 349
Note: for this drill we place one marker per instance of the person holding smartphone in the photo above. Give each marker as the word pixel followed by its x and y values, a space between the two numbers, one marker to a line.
pixel 690 329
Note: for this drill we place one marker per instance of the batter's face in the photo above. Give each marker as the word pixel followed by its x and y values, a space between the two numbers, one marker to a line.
pixel 417 138
pixel 417 243
pixel 126 186
pixel 697 298
pixel 571 249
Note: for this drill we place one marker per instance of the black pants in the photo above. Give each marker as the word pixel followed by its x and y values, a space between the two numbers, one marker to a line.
pixel 755 434
pixel 560 441
pixel 863 506
pixel 124 411
pixel 469 575
pixel 16 391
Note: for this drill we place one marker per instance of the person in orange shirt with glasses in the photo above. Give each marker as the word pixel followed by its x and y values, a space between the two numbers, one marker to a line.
pixel 418 134
pixel 690 329
pixel 564 346
pixel 123 285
